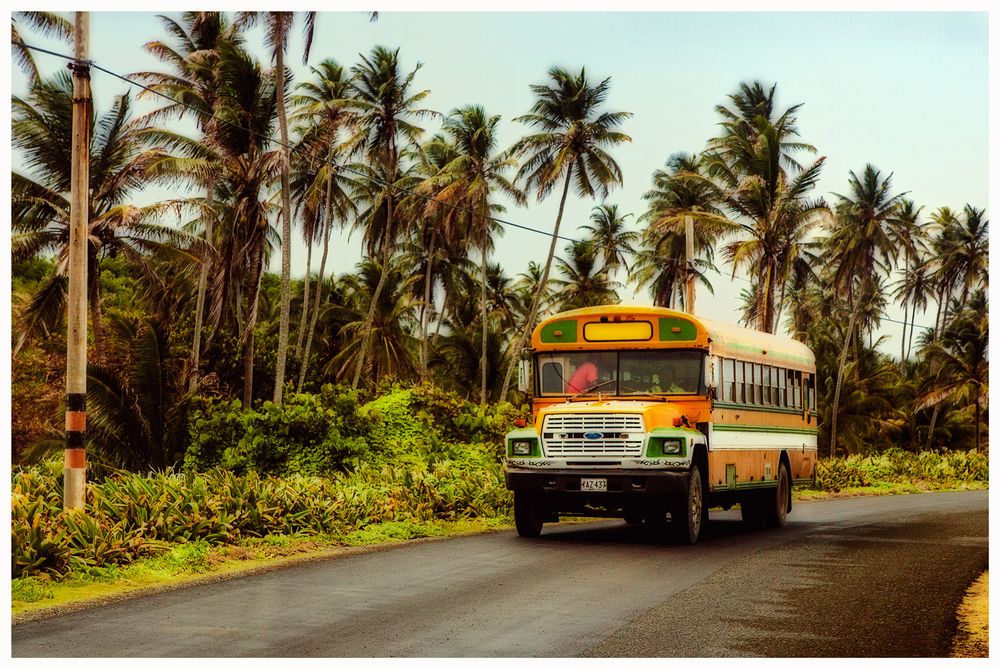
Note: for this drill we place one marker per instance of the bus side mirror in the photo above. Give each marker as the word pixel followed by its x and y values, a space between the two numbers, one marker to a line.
pixel 523 374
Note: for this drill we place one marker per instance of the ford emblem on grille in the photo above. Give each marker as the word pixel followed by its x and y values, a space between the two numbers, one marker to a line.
pixel 593 435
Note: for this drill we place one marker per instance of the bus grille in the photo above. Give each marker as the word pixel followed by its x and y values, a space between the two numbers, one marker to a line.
pixel 575 434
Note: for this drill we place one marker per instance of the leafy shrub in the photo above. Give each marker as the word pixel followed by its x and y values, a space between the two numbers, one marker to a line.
pixel 307 434
pixel 899 466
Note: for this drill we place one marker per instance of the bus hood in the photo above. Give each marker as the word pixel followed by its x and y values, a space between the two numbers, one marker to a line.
pixel 655 413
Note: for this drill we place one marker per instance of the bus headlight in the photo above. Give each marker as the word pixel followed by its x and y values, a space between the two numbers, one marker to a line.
pixel 520 447
pixel 672 446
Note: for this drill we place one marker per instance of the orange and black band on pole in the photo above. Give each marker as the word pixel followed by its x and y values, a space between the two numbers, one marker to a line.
pixel 75 455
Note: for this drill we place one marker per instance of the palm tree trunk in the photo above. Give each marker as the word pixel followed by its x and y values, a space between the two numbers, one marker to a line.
pixel 840 379
pixel 913 326
pixel 304 316
pixel 902 342
pixel 255 279
pixel 424 310
pixel 440 320
pixel 536 301
pixel 934 417
pixel 978 426
pixel 202 286
pixel 286 230
pixel 327 222
pixel 482 309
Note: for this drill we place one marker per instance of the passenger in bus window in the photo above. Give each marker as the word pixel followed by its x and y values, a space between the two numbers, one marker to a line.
pixel 583 378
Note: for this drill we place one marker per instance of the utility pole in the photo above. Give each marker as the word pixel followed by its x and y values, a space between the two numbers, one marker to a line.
pixel 75 458
pixel 689 256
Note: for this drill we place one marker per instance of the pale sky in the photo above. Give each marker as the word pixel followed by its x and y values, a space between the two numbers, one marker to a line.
pixel 907 92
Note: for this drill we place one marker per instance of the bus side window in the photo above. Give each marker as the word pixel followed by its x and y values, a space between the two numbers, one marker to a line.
pixel 811 392
pixel 782 388
pixel 552 378
pixel 767 384
pixel 739 382
pixel 728 380
pixel 758 381
pixel 797 390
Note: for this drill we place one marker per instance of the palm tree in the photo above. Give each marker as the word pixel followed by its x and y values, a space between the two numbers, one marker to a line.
pixel 277 25
pixel 119 166
pixel 585 284
pixel 572 147
pixel 193 59
pixel 859 248
pixel 959 360
pixel 475 173
pixel 913 290
pixel 609 235
pixel 247 109
pixel 392 323
pixel 679 193
pixel 907 234
pixel 322 109
pixel 385 105
pixel 752 172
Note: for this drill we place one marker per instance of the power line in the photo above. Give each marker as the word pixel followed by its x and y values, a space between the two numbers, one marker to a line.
pixel 376 180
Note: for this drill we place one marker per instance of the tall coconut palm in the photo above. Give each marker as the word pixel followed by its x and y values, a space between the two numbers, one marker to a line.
pixel 247 109
pixel 572 147
pixel 192 56
pixel 754 174
pixel 324 117
pixel 860 248
pixel 385 105
pixel 119 166
pixel 478 171
pixel 277 26
pixel 907 234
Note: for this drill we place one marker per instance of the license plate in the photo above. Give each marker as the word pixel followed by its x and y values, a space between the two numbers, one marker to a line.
pixel 594 485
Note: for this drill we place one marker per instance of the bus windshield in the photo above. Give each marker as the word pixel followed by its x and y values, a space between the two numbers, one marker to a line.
pixel 620 373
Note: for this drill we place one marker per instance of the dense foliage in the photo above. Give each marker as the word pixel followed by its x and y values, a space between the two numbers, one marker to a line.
pixel 190 333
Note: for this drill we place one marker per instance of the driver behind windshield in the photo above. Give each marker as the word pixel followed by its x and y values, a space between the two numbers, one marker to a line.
pixel 583 378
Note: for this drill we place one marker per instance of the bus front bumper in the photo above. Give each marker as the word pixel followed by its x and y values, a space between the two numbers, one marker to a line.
pixel 635 482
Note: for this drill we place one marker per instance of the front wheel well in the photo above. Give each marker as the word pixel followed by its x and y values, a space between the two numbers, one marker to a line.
pixel 700 459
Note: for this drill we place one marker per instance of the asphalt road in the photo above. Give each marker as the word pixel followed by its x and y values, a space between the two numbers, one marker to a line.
pixel 869 577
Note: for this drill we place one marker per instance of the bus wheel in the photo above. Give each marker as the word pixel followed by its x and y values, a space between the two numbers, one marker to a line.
pixel 688 511
pixel 528 514
pixel 776 509
pixel 633 516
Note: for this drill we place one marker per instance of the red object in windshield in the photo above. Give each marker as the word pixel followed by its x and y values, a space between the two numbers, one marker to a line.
pixel 583 378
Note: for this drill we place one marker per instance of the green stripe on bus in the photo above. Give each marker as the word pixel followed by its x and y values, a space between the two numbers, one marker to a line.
pixel 751 407
pixel 761 428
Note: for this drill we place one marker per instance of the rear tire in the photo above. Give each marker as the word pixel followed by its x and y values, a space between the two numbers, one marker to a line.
pixel 529 516
pixel 687 513
pixel 776 508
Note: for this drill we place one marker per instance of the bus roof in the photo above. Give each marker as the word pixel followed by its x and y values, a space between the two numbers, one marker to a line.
pixel 634 327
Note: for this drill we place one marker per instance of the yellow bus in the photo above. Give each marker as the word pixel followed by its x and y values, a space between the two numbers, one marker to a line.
pixel 648 413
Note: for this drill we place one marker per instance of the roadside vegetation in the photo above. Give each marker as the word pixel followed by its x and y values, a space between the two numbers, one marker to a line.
pixel 229 406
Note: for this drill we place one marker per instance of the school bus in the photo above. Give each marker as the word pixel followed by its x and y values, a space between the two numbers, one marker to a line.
pixel 649 413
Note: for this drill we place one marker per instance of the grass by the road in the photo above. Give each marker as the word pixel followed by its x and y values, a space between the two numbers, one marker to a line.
pixel 199 561
pixel 973 638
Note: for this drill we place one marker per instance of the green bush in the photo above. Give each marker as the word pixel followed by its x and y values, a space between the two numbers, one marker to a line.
pixel 899 466
pixel 307 434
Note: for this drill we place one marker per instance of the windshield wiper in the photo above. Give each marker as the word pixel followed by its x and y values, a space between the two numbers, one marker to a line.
pixel 592 388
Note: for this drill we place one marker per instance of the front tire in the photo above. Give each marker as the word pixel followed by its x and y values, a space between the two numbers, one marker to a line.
pixel 529 516
pixel 687 514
